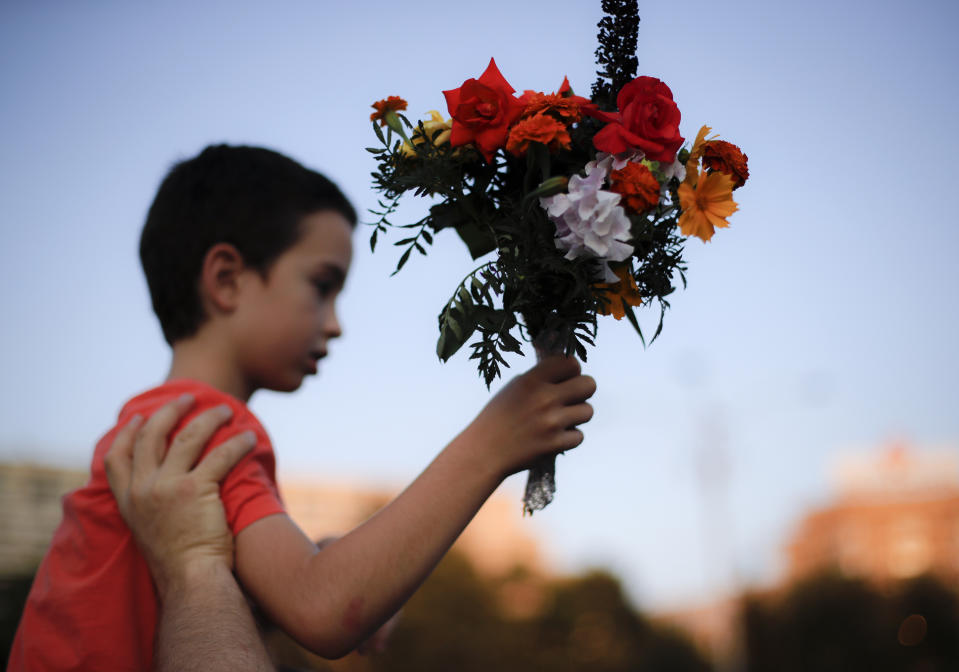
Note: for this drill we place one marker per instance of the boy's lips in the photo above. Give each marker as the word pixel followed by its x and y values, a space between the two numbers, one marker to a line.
pixel 315 357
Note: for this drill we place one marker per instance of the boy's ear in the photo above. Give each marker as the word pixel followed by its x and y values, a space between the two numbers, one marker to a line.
pixel 220 277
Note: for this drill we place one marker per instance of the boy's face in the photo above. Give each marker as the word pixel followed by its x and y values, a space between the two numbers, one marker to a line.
pixel 283 323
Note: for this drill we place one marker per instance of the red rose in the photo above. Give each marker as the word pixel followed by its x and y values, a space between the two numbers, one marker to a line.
pixel 648 120
pixel 483 110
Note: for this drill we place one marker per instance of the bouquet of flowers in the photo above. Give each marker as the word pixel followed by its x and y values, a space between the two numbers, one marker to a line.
pixel 576 207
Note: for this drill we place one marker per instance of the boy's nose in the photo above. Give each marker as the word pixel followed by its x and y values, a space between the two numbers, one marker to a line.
pixel 332 327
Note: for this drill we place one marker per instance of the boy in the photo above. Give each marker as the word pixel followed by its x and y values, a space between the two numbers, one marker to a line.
pixel 245 252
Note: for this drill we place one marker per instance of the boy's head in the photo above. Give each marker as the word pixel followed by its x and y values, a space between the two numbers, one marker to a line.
pixel 250 197
pixel 249 234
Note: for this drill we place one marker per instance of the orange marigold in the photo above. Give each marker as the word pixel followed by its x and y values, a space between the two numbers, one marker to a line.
pixel 566 108
pixel 618 293
pixel 637 185
pixel 706 201
pixel 539 128
pixel 726 158
pixel 384 107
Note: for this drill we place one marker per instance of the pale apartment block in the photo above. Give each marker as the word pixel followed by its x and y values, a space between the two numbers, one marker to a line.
pixel 30 510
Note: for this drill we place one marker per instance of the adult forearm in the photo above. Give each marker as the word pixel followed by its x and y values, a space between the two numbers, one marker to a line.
pixel 186 642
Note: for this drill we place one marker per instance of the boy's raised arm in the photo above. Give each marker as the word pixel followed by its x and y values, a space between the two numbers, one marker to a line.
pixel 331 601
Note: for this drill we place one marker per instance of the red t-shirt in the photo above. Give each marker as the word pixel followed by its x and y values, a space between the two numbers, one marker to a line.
pixel 93 605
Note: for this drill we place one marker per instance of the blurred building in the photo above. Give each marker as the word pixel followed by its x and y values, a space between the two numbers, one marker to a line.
pixel 30 511
pixel 896 516
pixel 496 541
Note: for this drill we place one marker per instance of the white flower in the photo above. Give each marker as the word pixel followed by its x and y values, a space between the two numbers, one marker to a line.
pixel 620 160
pixel 674 169
pixel 589 220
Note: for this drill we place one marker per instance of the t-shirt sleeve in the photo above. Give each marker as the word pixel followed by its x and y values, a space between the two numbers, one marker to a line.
pixel 249 491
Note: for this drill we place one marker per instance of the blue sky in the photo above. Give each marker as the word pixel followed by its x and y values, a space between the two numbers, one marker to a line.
pixel 823 321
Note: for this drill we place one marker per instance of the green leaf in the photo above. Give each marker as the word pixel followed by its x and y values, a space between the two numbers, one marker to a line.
pixel 479 241
pixel 510 344
pixel 453 324
pixel 662 314
pixel 379 133
pixel 402 262
pixel 443 347
pixel 448 215
pixel 454 331
pixel 373 240
pixel 631 316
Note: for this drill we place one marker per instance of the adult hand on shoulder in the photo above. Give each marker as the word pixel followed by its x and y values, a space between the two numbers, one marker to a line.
pixel 172 507
pixel 177 519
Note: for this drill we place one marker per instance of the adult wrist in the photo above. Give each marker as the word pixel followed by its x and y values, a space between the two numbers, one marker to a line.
pixel 190 576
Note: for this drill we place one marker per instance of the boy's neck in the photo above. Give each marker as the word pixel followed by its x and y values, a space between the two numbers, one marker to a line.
pixel 206 360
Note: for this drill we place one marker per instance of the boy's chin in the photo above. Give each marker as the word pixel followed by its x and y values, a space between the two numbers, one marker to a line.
pixel 285 384
pixel 292 387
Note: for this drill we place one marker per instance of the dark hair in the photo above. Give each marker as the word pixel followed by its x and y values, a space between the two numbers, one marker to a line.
pixel 250 197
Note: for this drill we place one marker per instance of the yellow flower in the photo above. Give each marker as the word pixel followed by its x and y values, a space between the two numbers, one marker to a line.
pixel 706 202
pixel 430 127
pixel 697 149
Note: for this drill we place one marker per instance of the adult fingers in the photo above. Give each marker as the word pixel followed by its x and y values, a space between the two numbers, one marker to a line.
pixel 152 437
pixel 189 441
pixel 557 368
pixel 224 457
pixel 118 461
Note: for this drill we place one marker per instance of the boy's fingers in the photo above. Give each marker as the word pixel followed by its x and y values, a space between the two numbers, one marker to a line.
pixel 569 440
pixel 152 438
pixel 577 415
pixel 190 441
pixel 577 390
pixel 118 461
pixel 224 457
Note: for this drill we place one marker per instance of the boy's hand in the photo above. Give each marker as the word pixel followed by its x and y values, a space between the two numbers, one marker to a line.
pixel 536 414
pixel 174 511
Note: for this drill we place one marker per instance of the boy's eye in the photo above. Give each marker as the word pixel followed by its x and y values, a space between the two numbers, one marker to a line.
pixel 327 282
pixel 327 287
